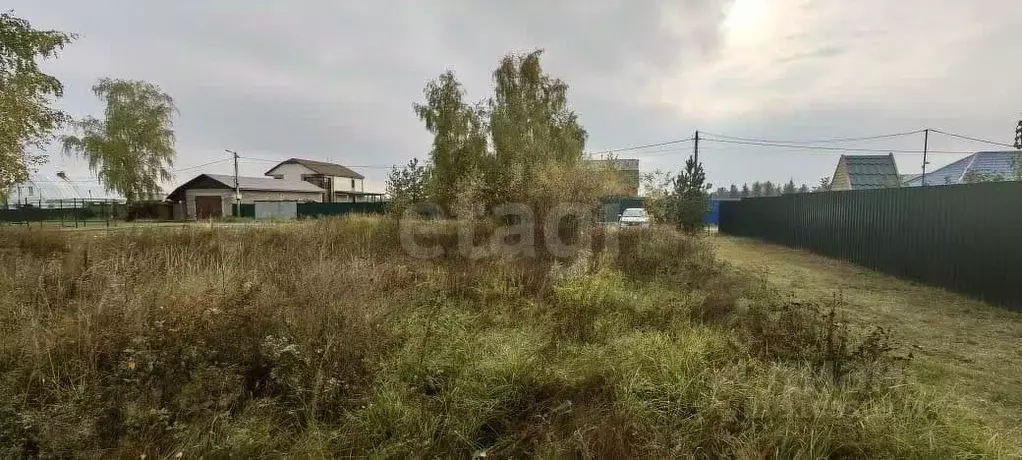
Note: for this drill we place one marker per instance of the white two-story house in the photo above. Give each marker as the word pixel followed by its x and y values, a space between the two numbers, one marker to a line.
pixel 340 183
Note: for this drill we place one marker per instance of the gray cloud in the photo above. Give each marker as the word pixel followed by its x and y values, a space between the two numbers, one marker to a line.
pixel 337 79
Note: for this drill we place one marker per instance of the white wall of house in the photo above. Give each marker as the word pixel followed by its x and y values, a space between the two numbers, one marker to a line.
pixel 346 184
pixel 294 172
pixel 290 172
pixel 247 197
pixel 841 180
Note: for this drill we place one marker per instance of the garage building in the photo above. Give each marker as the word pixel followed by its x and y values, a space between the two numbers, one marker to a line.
pixel 212 195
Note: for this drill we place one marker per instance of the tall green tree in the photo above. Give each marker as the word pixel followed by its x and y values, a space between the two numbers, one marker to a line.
pixel 407 186
pixel 689 200
pixel 745 191
pixel 823 186
pixel 757 189
pixel 789 187
pixel 27 120
pixel 803 189
pixel 769 189
pixel 657 187
pixel 459 138
pixel 733 192
pixel 132 148
pixel 530 125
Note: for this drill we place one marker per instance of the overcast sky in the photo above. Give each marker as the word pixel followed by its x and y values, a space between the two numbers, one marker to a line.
pixel 336 81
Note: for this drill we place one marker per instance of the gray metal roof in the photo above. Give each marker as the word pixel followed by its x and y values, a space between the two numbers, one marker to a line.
pixel 871 171
pixel 322 167
pixel 994 163
pixel 255 184
pixel 265 184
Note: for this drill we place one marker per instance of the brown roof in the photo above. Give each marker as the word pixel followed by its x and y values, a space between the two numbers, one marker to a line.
pixel 322 167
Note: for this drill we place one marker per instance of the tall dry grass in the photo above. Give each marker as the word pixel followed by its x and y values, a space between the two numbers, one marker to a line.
pixel 324 339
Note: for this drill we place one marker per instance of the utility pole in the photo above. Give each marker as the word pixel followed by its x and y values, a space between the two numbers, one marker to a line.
pixel 926 142
pixel 237 189
pixel 1018 135
pixel 696 154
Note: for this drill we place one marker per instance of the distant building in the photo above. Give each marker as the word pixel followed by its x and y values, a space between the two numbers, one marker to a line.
pixel 627 171
pixel 906 178
pixel 59 191
pixel 212 195
pixel 985 163
pixel 339 183
pixel 857 172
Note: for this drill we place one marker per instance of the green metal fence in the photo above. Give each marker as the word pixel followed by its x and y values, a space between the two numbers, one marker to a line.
pixel 337 209
pixel 965 238
pixel 76 213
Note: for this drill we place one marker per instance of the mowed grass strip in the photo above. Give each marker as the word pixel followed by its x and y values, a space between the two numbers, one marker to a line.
pixel 960 345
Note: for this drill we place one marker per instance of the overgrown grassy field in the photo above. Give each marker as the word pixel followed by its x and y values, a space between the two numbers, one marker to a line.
pixel 325 339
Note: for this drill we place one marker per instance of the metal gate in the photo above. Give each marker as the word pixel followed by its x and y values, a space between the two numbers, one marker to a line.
pixel 280 210
pixel 208 207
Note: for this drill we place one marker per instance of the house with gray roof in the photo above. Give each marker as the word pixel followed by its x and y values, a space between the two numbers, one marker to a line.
pixel 858 172
pixel 339 183
pixel 980 164
pixel 212 195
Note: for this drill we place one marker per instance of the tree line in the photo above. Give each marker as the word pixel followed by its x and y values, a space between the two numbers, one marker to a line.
pixel 768 188
pixel 130 148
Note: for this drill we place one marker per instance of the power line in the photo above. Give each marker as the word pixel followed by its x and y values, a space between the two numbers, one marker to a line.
pixel 840 149
pixel 795 150
pixel 199 166
pixel 641 147
pixel 818 141
pixel 974 139
pixel 267 160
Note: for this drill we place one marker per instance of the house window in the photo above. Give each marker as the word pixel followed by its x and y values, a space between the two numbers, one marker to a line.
pixel 353 184
pixel 29 190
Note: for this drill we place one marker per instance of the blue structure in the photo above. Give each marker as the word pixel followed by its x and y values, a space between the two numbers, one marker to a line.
pixel 986 163
pixel 713 214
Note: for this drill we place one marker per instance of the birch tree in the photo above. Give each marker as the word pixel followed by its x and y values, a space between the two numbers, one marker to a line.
pixel 132 148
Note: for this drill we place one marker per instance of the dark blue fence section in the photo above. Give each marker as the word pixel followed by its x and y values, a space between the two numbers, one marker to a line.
pixel 965 238
pixel 713 216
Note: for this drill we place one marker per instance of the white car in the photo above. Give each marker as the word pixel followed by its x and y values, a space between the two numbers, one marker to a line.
pixel 634 217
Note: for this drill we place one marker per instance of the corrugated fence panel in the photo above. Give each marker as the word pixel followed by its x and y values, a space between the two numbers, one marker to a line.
pixel 965 238
pixel 339 209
